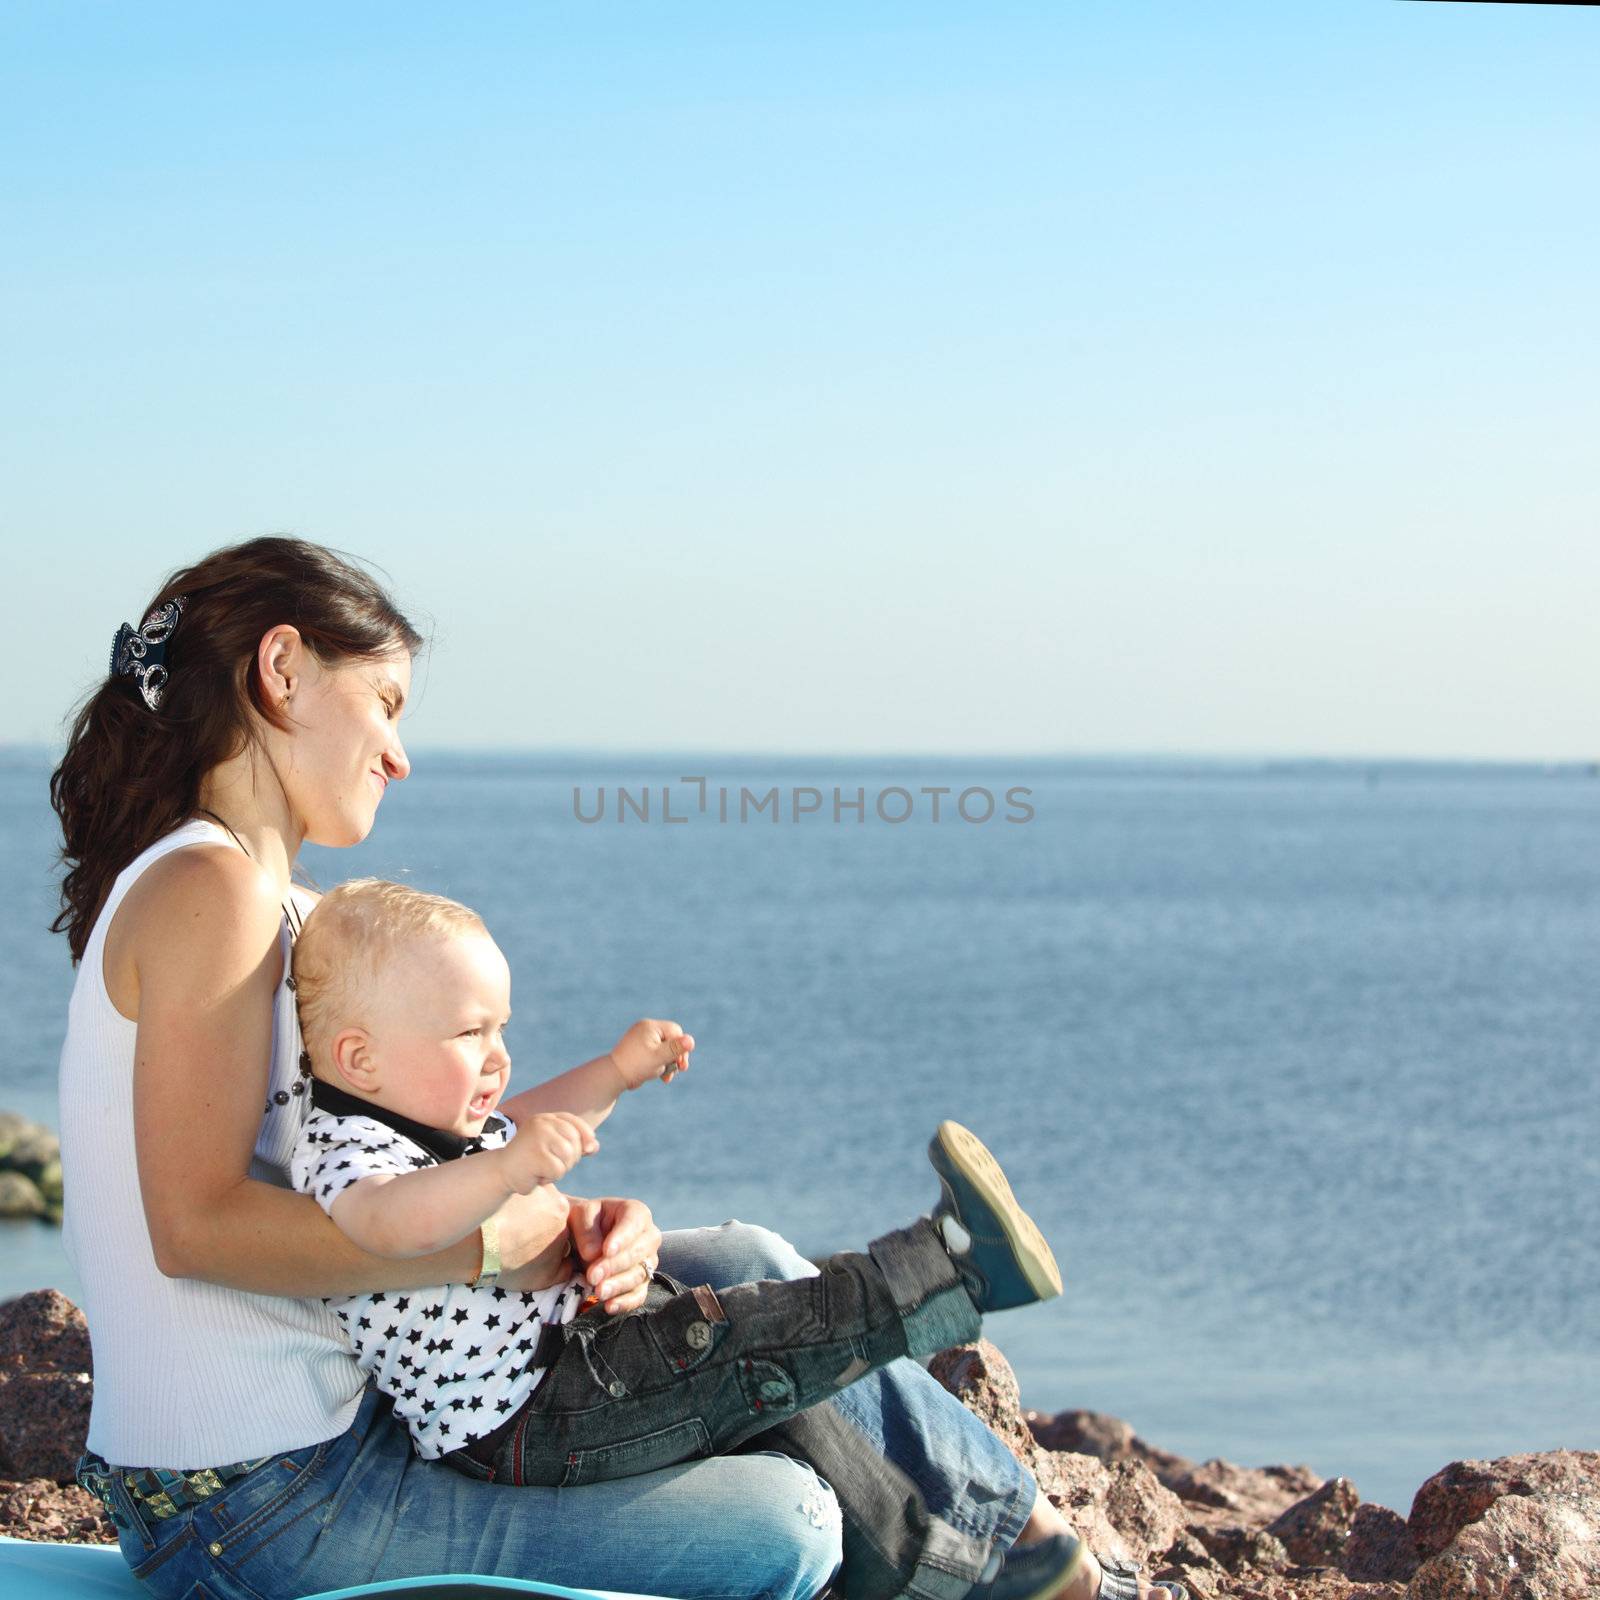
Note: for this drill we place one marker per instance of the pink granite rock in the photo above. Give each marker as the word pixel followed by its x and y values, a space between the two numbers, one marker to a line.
pixel 1314 1530
pixel 1121 1510
pixel 42 1510
pixel 1093 1433
pixel 44 1420
pixel 43 1332
pixel 982 1380
pixel 1523 1527
pixel 1253 1494
pixel 1148 1515
pixel 1524 1547
pixel 45 1386
pixel 1237 1546
pixel 1308 1583
pixel 1078 1487
pixel 1380 1548
pixel 1460 1493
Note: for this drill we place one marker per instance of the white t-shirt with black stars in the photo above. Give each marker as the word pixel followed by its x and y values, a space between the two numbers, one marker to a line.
pixel 453 1359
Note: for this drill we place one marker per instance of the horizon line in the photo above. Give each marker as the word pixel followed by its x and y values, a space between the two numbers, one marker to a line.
pixel 1160 757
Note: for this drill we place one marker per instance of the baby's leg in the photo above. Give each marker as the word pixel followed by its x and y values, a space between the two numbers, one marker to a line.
pixel 703 1372
pixel 929 1498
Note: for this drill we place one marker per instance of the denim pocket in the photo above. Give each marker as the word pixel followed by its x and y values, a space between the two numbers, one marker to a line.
pixel 666 1447
pixel 766 1386
pixel 679 1335
pixel 177 1540
pixel 262 1496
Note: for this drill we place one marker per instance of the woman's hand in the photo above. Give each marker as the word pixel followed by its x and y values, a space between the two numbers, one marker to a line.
pixel 535 1246
pixel 619 1244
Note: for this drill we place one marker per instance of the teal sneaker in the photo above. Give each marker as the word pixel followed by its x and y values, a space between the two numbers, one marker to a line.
pixel 1045 1571
pixel 1039 1571
pixel 996 1246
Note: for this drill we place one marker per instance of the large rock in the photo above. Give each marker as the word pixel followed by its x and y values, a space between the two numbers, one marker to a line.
pixel 45 1387
pixel 1093 1433
pixel 30 1169
pixel 12 1128
pixel 1308 1583
pixel 1253 1495
pixel 33 1152
pixel 1236 1546
pixel 982 1380
pixel 1523 1527
pixel 21 1196
pixel 43 1332
pixel 1314 1530
pixel 1380 1548
pixel 1122 1510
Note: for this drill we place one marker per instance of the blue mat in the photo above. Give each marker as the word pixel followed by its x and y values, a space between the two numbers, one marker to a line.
pixel 31 1571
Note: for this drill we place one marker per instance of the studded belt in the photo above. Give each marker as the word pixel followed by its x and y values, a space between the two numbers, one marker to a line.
pixel 158 1491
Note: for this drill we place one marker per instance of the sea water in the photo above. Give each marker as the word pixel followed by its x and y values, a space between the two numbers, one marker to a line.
pixel 1294 1063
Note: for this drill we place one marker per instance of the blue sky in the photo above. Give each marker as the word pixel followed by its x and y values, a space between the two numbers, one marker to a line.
pixel 1093 377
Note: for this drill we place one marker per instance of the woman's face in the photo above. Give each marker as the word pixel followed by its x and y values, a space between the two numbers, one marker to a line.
pixel 345 749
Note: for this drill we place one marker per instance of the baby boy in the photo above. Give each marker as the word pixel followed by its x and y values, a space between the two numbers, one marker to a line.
pixel 403 1000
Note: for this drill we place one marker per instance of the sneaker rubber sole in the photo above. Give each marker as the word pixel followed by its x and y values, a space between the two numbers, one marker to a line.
pixel 959 1156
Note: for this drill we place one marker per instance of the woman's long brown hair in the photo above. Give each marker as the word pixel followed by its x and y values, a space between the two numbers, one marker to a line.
pixel 130 774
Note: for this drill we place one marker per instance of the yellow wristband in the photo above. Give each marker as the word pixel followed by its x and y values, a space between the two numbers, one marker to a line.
pixel 489 1270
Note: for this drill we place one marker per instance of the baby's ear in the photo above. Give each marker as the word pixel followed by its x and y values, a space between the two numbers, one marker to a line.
pixel 353 1060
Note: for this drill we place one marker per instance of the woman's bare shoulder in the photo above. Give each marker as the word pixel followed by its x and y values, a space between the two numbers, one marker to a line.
pixel 205 909
pixel 206 878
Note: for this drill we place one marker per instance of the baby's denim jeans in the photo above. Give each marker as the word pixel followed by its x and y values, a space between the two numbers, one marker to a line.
pixel 696 1373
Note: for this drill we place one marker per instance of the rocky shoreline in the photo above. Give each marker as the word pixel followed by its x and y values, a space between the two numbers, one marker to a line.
pixel 30 1169
pixel 1524 1527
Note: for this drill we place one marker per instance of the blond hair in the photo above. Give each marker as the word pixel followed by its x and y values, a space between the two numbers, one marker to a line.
pixel 353 932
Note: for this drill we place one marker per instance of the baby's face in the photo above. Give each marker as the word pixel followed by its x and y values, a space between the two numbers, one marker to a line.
pixel 437 1033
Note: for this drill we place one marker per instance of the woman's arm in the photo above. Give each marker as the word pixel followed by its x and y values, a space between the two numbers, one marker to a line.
pixel 206 949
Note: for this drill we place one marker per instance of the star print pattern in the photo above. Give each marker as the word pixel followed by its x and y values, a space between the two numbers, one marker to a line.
pixel 453 1359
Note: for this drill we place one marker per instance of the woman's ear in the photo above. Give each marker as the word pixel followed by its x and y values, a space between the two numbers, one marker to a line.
pixel 354 1061
pixel 280 661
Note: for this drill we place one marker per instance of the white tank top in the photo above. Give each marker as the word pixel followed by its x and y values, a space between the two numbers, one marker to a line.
pixel 186 1373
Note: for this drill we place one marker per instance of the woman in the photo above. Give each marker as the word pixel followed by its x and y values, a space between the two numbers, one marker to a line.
pixel 255 708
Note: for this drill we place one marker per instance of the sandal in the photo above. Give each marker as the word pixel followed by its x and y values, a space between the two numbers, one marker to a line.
pixel 1119 1580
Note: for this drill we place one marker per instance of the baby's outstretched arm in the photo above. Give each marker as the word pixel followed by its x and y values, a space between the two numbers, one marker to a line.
pixel 649 1049
pixel 415 1213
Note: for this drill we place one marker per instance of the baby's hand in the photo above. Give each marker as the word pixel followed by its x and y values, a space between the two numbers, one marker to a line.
pixel 547 1147
pixel 652 1049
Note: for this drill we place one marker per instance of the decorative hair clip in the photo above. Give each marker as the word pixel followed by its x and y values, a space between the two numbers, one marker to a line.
pixel 142 655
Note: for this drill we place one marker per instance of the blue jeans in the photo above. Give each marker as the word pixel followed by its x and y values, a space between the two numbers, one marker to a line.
pixel 929 1494
pixel 695 1374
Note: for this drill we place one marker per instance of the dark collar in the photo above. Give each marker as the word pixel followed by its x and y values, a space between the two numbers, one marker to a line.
pixel 438 1142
